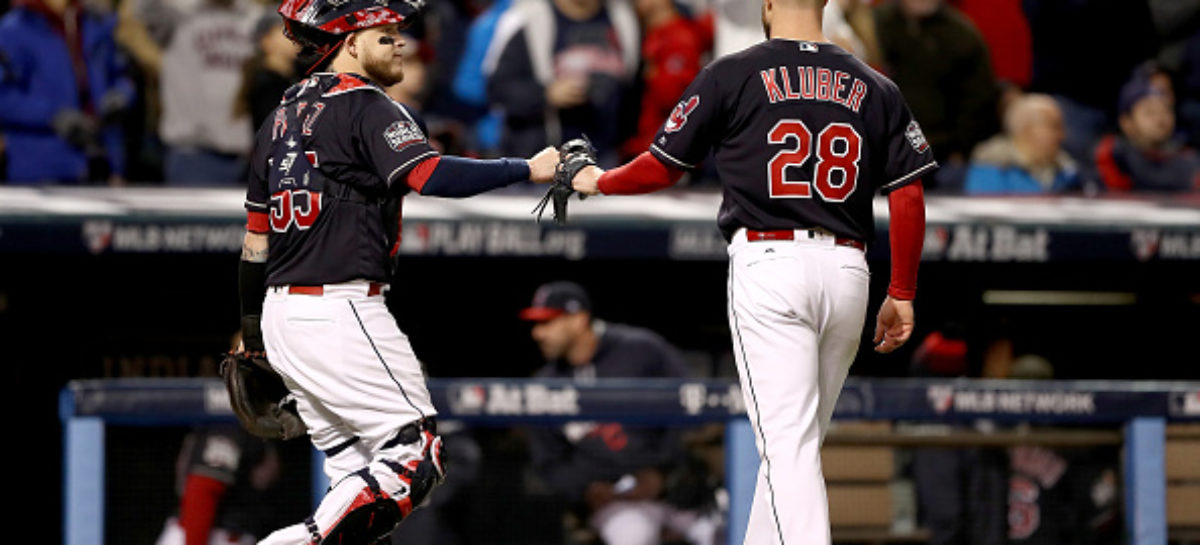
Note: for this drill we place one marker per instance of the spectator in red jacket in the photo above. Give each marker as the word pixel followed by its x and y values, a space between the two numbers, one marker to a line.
pixel 671 54
pixel 1146 156
pixel 1006 31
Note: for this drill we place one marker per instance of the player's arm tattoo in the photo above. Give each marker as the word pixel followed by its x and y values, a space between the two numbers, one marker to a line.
pixel 254 248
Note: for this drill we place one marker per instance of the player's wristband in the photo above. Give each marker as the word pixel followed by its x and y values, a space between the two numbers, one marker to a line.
pixel 252 286
pixel 252 338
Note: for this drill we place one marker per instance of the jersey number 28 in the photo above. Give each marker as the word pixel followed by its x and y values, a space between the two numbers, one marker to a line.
pixel 839 147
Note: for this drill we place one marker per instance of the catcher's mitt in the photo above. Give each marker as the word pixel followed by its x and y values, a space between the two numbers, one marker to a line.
pixel 574 156
pixel 259 398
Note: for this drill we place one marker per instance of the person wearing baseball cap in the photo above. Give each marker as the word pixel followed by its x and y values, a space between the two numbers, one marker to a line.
pixel 1146 156
pixel 555 299
pixel 613 473
pixel 323 208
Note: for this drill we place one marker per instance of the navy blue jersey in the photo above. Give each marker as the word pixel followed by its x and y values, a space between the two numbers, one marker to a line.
pixel 803 135
pixel 570 456
pixel 330 172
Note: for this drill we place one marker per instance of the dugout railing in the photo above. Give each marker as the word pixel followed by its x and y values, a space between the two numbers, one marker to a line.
pixel 1141 410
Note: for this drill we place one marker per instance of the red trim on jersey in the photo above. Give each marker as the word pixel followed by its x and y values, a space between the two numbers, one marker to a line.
pixel 345 82
pixel 258 222
pixel 644 174
pixel 420 174
pixel 198 507
pixel 906 236
pixel 1106 165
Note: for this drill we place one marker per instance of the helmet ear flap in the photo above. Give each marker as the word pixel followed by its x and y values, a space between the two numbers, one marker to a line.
pixel 316 45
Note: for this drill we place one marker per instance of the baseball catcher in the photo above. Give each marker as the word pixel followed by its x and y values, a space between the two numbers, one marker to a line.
pixel 326 176
pixel 575 155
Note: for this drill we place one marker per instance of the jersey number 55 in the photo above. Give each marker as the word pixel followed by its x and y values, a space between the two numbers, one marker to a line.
pixel 299 207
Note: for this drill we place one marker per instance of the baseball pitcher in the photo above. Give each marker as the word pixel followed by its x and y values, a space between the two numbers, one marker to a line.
pixel 803 136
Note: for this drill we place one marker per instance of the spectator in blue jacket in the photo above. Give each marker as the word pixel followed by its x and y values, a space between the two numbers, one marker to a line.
pixel 470 83
pixel 63 89
pixel 1028 156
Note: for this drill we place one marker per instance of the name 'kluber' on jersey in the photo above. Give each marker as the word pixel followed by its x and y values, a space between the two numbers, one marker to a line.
pixel 830 130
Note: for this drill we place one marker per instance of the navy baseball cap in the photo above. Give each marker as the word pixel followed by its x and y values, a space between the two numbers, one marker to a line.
pixel 1134 91
pixel 555 299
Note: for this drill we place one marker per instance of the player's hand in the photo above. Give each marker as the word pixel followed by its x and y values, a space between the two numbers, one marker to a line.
pixel 542 165
pixel 587 181
pixel 567 92
pixel 894 324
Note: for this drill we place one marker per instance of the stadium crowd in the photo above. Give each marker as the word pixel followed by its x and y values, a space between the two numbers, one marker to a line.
pixel 168 92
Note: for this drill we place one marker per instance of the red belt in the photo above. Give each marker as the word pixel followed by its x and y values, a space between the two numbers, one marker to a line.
pixel 790 234
pixel 375 288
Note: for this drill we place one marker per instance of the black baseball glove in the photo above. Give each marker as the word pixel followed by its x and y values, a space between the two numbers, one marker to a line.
pixel 259 398
pixel 574 156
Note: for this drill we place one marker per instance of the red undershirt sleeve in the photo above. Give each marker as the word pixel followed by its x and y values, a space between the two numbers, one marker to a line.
pixel 258 222
pixel 198 508
pixel 644 174
pixel 906 237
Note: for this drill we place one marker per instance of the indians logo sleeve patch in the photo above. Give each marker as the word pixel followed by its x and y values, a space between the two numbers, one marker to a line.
pixel 401 134
pixel 916 138
pixel 679 116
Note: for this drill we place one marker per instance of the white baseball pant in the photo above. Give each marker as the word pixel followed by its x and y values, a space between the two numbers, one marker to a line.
pixel 796 311
pixel 355 378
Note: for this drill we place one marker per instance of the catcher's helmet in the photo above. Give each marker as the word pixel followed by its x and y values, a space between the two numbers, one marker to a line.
pixel 321 25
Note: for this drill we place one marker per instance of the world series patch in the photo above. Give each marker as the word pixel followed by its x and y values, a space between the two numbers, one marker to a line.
pixel 916 138
pixel 402 134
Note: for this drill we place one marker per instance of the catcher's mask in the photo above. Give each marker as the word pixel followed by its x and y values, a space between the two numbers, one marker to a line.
pixel 320 26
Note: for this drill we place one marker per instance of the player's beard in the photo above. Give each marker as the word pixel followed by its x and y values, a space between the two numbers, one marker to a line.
pixel 383 70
